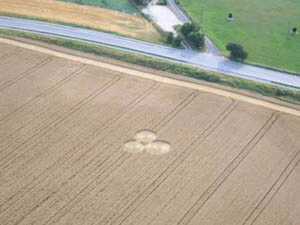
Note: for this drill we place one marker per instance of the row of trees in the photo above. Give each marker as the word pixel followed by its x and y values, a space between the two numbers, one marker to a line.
pixel 175 41
pixel 195 37
pixel 193 34
pixel 141 2
pixel 162 2
pixel 190 32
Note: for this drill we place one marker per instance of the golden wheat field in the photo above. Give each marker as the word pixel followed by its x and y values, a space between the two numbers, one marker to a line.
pixel 99 18
pixel 81 144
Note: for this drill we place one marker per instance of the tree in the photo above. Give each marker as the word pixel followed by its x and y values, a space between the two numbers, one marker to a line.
pixel 142 2
pixel 237 51
pixel 162 2
pixel 188 28
pixel 170 37
pixel 193 35
pixel 177 41
pixel 79 2
pixel 196 39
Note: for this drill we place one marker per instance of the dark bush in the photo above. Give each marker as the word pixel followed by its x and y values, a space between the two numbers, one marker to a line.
pixel 237 51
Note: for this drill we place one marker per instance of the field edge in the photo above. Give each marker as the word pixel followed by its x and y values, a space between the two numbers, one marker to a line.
pixel 225 81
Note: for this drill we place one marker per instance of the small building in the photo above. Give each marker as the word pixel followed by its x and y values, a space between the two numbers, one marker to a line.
pixel 294 30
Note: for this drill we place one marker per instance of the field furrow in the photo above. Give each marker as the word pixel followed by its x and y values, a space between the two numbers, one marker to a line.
pixel 288 198
pixel 125 189
pixel 27 72
pixel 87 122
pixel 197 170
pixel 24 124
pixel 265 163
pixel 80 144
pixel 33 85
pixel 104 156
pixel 20 143
pixel 19 63
pixel 274 190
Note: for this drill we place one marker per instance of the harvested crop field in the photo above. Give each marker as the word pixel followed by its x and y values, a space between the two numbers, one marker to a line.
pixel 94 17
pixel 84 144
pixel 120 5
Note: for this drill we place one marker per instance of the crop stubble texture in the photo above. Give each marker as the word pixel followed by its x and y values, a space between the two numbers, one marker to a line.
pixel 97 18
pixel 62 130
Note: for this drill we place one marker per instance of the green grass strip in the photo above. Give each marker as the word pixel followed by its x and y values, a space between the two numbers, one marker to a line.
pixel 189 71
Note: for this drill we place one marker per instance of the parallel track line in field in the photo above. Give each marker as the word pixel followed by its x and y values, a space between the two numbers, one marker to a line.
pixel 103 128
pixel 175 111
pixel 264 202
pixel 119 219
pixel 45 122
pixel 55 123
pixel 192 211
pixel 26 72
pixel 112 166
pixel 42 94
pixel 34 100
pixel 71 153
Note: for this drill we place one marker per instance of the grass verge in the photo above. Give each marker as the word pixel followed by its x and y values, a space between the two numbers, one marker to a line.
pixel 264 89
pixel 263 27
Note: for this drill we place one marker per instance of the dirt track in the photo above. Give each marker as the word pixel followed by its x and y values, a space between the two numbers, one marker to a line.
pixel 64 121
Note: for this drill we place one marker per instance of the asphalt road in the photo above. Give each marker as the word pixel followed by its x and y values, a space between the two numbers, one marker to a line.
pixel 180 15
pixel 205 61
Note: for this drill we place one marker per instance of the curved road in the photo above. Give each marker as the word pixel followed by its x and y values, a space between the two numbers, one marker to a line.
pixel 201 60
pixel 209 45
pixel 180 15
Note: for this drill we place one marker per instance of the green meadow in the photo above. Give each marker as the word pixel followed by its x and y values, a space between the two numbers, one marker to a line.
pixel 263 27
pixel 120 5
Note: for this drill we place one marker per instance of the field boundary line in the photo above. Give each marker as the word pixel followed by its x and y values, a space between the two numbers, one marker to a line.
pixel 273 190
pixel 119 161
pixel 36 98
pixel 200 202
pixel 174 164
pixel 64 108
pixel 157 78
pixel 55 123
pixel 62 160
pixel 48 91
pixel 175 111
pixel 26 72
pixel 165 121
pixel 44 93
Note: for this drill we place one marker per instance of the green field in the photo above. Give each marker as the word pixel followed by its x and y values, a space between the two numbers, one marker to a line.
pixel 263 27
pixel 120 5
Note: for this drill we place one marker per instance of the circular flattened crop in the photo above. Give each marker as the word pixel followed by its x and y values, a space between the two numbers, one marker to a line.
pixel 133 147
pixel 145 136
pixel 158 148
